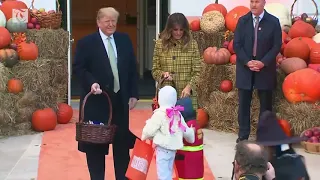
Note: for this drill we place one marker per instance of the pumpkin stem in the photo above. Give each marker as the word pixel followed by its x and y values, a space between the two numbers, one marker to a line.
pixel 216 2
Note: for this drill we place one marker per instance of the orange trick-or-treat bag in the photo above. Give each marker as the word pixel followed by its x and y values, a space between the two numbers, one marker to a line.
pixel 140 161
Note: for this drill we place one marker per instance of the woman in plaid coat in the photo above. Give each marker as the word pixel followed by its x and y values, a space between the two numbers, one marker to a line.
pixel 176 56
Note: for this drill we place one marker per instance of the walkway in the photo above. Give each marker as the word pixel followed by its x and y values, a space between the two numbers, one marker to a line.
pixel 21 158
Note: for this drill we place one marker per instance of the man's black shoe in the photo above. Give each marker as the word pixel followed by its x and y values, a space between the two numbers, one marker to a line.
pixel 241 139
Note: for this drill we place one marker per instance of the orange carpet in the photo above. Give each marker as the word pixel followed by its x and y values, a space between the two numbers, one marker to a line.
pixel 61 160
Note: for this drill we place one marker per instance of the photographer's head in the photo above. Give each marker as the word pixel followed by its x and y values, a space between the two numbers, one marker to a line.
pixel 250 159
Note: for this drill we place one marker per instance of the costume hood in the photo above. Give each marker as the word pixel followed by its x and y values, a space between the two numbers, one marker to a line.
pixel 167 97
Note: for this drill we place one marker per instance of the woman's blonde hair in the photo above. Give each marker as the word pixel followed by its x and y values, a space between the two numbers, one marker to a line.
pixel 166 35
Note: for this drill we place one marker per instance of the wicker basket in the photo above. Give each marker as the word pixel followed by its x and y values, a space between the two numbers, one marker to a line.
pixel 314 21
pixel 48 20
pixel 313 148
pixel 93 133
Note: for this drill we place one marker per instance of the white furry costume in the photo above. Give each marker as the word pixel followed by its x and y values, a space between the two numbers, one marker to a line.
pixel 158 128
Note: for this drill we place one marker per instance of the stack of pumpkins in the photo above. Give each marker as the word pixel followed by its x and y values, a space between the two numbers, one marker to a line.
pixel 300 60
pixel 216 18
pixel 13 46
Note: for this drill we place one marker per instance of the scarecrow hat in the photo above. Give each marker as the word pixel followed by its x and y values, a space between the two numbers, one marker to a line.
pixel 270 133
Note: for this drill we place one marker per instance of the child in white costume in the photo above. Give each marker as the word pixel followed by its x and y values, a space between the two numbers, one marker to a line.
pixel 167 128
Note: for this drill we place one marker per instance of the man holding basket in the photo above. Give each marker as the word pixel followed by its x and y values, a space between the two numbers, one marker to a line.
pixel 105 62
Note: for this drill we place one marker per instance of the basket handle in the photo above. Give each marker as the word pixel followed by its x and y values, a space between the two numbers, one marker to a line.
pixel 315 4
pixel 84 103
pixel 58 5
pixel 159 85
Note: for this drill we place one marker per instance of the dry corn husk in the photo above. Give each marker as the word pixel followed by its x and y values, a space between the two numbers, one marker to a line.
pixel 212 22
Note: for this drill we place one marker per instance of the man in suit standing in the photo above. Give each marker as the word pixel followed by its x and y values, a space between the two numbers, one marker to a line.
pixel 257 41
pixel 105 61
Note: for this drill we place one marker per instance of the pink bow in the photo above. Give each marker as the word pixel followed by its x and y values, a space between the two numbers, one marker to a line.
pixel 171 112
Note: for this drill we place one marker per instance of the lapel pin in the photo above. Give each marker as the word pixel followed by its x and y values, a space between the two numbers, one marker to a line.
pixel 259 28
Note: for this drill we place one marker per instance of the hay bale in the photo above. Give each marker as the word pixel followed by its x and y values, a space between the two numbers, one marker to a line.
pixel 52 43
pixel 205 40
pixel 16 113
pixel 5 75
pixel 222 108
pixel 210 79
pixel 47 78
pixel 45 84
pixel 301 116
pixel 223 111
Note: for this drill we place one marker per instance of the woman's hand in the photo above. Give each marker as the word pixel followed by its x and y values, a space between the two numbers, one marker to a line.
pixel 186 91
pixel 167 75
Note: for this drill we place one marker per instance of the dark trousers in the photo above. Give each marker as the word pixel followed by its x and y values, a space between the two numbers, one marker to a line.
pixel 121 157
pixel 245 97
pixel 96 163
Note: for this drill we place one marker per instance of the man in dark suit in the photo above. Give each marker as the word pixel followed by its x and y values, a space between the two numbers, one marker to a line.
pixel 257 42
pixel 105 61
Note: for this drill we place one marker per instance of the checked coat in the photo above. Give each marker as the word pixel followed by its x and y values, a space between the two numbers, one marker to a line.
pixel 184 64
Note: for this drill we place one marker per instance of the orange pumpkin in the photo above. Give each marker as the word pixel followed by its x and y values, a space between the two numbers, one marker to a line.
pixel 213 55
pixel 309 41
pixel 285 126
pixel 314 67
pixel 64 113
pixel 297 48
pixel 290 65
pixel 195 25
pixel 230 47
pixel 315 55
pixel 302 86
pixel 28 51
pixel 202 118
pixel 15 86
pixel 233 59
pixel 233 16
pixel 284 36
pixel 301 29
pixel 215 7
pixel 8 6
pixel 5 37
pixel 44 120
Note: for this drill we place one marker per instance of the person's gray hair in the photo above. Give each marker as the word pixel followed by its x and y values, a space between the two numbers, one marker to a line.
pixel 251 157
pixel 107 11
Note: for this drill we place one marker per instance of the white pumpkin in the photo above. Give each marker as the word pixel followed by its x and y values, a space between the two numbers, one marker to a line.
pixel 316 38
pixel 281 12
pixel 3 19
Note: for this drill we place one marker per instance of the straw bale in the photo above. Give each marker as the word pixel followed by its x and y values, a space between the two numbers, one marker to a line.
pixel 301 116
pixel 52 43
pixel 205 40
pixel 47 78
pixel 223 111
pixel 45 84
pixel 5 75
pixel 211 77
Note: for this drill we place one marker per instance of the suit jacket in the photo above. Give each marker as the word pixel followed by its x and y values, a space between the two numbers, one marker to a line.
pixel 92 66
pixel 269 45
